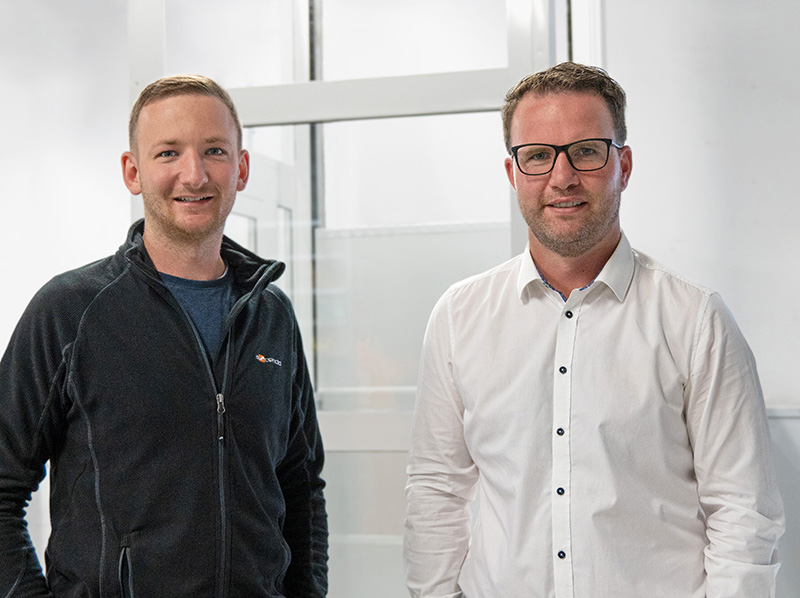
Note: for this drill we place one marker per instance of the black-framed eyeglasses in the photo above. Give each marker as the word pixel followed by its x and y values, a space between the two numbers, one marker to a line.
pixel 540 158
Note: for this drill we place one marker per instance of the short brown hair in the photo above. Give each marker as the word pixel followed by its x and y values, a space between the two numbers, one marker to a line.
pixel 180 85
pixel 567 77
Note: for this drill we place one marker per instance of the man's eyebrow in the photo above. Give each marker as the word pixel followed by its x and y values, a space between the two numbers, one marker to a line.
pixel 219 140
pixel 208 141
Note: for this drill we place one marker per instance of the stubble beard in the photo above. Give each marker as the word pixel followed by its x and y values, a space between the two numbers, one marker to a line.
pixel 577 243
pixel 172 231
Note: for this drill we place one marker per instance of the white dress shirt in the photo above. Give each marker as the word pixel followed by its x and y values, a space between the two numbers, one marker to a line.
pixel 617 442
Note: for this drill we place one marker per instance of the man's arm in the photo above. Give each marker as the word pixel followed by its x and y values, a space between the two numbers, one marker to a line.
pixel 728 429
pixel 306 526
pixel 31 381
pixel 441 473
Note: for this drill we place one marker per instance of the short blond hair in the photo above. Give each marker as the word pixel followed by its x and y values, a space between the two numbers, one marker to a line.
pixel 180 85
pixel 566 77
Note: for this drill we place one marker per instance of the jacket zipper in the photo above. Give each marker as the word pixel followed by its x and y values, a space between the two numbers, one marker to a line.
pixel 219 398
pixel 221 482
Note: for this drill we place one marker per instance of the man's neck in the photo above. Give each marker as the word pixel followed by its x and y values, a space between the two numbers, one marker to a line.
pixel 193 261
pixel 567 273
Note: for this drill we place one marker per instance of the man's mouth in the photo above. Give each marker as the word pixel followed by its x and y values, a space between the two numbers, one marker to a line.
pixel 192 199
pixel 566 204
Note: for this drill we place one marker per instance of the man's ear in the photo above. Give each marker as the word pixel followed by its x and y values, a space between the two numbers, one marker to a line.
pixel 626 166
pixel 244 170
pixel 510 172
pixel 130 173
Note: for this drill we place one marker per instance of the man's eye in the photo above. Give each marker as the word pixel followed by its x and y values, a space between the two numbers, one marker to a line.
pixel 216 151
pixel 167 154
pixel 537 155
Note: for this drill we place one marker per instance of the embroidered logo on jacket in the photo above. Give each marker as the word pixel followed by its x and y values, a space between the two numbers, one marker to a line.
pixel 263 359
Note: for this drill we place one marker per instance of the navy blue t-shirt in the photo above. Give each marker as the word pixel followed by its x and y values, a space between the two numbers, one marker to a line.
pixel 208 303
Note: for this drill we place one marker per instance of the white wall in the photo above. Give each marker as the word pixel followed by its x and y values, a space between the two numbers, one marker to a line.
pixel 714 117
pixel 64 74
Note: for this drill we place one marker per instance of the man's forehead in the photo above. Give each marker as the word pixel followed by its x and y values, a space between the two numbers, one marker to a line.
pixel 177 115
pixel 184 102
pixel 565 107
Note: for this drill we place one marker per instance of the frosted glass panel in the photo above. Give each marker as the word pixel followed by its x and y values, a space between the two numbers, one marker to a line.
pixel 239 43
pixel 404 171
pixel 379 38
pixel 375 290
pixel 366 505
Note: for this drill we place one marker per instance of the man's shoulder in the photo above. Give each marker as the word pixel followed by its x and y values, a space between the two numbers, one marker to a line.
pixel 54 313
pixel 665 279
pixel 74 289
pixel 494 280
pixel 91 276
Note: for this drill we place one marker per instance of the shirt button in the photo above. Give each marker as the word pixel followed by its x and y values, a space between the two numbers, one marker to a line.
pixel 562 554
pixel 568 314
pixel 562 369
pixel 560 492
pixel 560 431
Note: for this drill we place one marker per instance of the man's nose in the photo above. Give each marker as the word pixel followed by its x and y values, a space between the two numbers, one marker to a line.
pixel 563 174
pixel 193 173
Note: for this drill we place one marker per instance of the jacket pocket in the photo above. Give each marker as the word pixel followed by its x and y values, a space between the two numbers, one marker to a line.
pixel 125 573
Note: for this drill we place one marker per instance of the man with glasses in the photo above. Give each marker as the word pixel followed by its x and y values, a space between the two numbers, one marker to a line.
pixel 604 412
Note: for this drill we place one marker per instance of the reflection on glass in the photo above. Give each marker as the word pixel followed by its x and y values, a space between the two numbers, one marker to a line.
pixel 239 44
pixel 379 38
pixel 408 171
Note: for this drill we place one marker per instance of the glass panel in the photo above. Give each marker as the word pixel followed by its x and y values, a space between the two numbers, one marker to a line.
pixel 260 31
pixel 380 38
pixel 401 171
pixel 403 222
pixel 366 506
pixel 277 198
pixel 375 290
pixel 276 143
pixel 285 243
pixel 241 229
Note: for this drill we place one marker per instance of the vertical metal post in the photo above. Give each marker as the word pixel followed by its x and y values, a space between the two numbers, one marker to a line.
pixel 317 170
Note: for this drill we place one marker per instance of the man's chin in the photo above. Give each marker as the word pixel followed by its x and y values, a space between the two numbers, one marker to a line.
pixel 192 233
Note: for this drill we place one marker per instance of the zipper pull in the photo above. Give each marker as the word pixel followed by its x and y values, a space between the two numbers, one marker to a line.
pixel 220 423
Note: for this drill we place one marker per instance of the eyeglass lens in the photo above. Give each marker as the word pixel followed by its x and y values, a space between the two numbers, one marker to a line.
pixel 591 154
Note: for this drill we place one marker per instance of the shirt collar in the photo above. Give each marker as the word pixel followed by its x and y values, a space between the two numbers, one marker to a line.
pixel 616 274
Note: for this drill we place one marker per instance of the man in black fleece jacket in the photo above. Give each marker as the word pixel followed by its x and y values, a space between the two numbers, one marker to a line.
pixel 167 387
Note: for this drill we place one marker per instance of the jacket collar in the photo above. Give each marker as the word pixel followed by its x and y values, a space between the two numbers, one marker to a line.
pixel 250 271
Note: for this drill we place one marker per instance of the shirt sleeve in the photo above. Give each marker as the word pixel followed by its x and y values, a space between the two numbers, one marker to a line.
pixel 31 393
pixel 727 424
pixel 441 473
pixel 305 528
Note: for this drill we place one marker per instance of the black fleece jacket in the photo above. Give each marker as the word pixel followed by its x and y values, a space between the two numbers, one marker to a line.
pixel 171 474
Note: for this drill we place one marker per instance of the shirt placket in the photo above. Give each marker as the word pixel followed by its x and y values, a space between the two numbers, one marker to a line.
pixel 562 464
